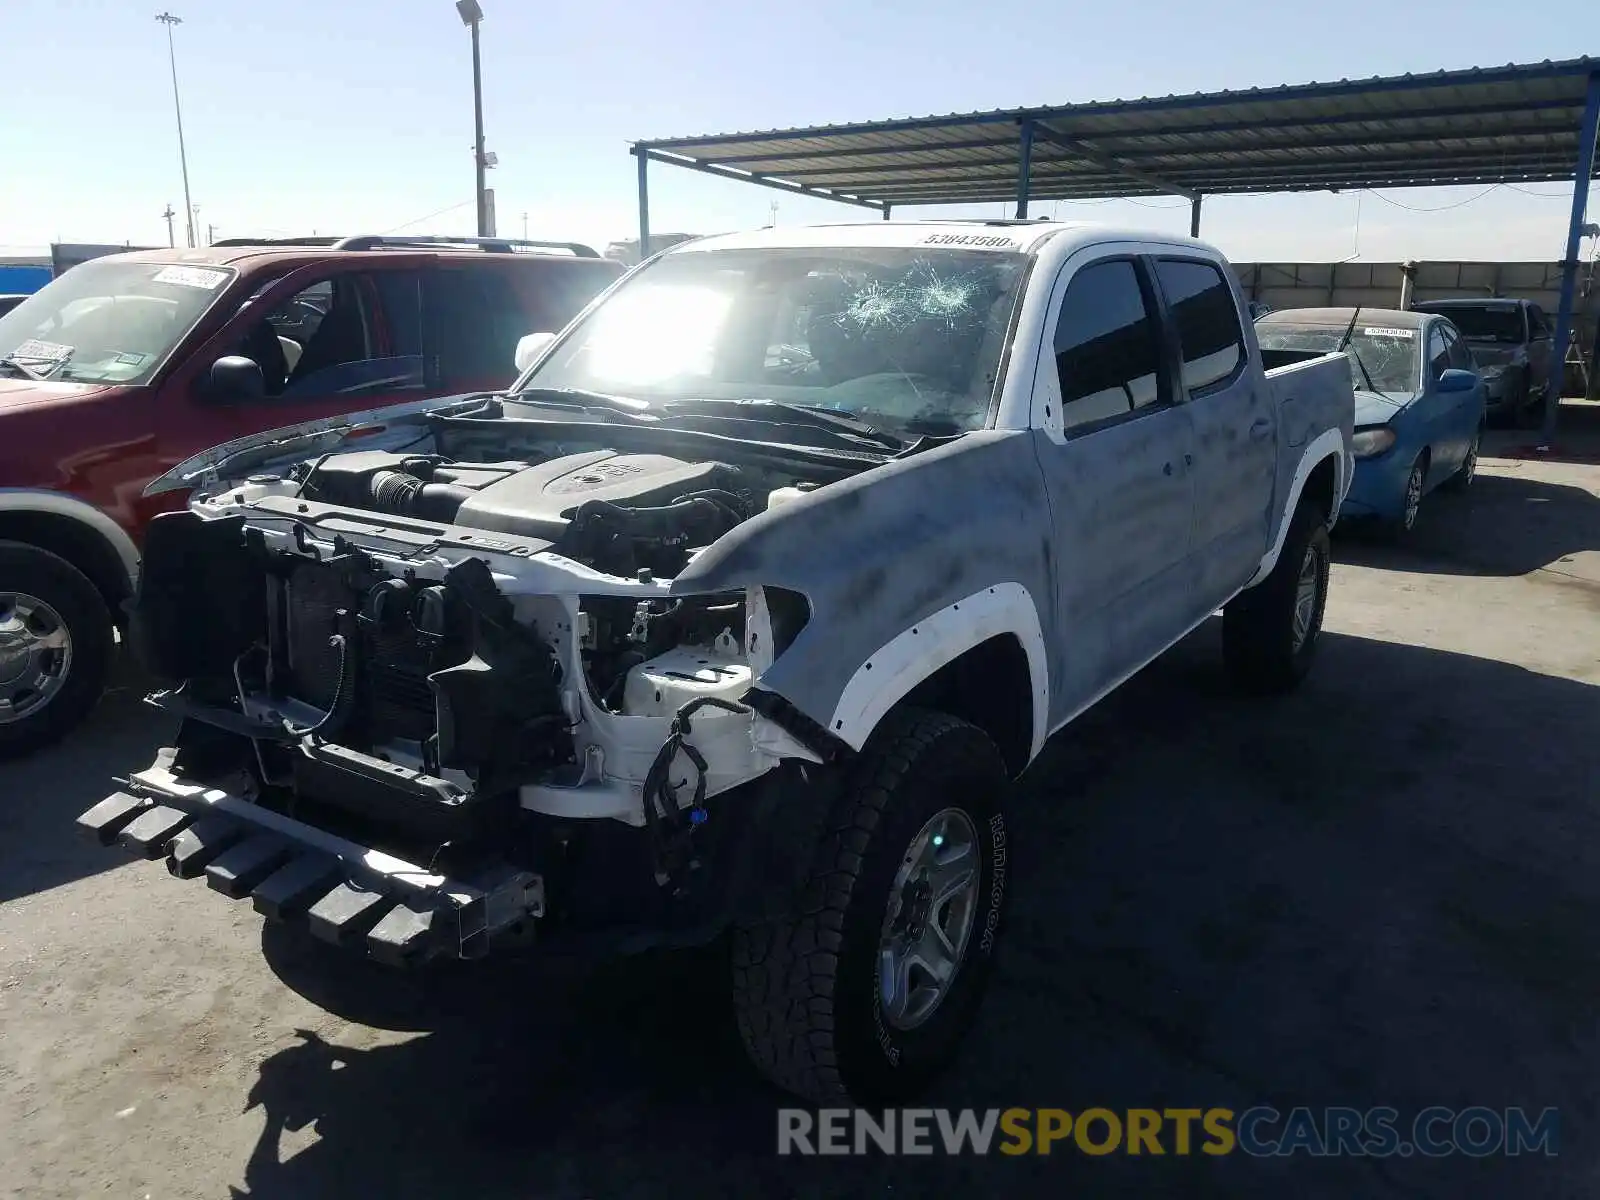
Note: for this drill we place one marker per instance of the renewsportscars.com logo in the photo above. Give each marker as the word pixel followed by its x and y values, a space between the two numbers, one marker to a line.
pixel 1260 1132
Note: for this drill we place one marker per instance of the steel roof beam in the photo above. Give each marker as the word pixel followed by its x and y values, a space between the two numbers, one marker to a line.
pixel 1107 162
pixel 771 181
pixel 1338 120
pixel 864 177
pixel 1005 149
pixel 1042 190
pixel 1206 179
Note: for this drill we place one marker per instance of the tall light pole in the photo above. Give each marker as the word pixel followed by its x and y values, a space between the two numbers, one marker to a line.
pixel 472 17
pixel 169 21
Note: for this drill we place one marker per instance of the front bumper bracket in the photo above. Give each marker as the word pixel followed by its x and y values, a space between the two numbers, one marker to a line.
pixel 347 894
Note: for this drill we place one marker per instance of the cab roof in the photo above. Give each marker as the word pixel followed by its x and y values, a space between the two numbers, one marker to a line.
pixel 1026 237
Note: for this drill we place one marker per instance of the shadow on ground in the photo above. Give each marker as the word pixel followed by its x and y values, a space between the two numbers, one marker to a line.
pixel 41 796
pixel 1577 437
pixel 1504 525
pixel 1378 891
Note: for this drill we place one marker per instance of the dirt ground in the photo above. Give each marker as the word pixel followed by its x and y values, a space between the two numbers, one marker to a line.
pixel 1382 890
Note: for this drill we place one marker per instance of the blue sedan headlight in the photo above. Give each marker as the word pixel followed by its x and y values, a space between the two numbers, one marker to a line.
pixel 1369 443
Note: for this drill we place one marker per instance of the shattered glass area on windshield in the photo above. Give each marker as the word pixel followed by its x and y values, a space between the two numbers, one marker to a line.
pixel 925 293
pixel 1390 355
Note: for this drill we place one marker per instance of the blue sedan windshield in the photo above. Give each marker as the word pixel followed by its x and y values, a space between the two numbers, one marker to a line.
pixel 1389 355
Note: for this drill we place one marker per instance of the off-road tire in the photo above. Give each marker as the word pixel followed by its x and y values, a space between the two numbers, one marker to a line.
pixel 1258 644
pixel 83 611
pixel 805 985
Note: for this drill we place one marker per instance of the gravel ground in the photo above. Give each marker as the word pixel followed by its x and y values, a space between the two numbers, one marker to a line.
pixel 1381 890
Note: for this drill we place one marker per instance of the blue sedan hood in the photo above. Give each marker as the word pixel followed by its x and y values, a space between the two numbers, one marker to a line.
pixel 1378 408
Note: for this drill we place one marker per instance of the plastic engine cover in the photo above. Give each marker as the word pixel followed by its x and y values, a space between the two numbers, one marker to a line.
pixel 538 501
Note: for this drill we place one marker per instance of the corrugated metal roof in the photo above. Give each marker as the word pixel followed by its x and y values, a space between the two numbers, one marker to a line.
pixel 1517 123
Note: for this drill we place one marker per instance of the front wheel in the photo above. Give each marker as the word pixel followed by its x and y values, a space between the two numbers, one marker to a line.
pixel 864 989
pixel 55 647
pixel 1270 632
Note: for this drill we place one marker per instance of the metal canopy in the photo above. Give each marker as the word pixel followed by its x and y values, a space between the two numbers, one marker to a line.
pixel 1485 125
pixel 1520 123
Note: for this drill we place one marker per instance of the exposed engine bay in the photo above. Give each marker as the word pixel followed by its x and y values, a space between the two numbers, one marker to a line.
pixel 615 512
pixel 433 649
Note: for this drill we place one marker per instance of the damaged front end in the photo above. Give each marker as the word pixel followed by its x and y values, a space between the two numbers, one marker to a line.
pixel 430 704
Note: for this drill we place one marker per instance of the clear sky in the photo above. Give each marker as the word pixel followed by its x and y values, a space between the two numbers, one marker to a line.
pixel 356 115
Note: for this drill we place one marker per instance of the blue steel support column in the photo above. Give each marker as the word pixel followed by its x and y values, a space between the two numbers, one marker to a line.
pixel 644 204
pixel 1569 264
pixel 1024 169
pixel 1194 216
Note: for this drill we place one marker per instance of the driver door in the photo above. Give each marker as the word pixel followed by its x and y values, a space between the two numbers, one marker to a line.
pixel 1115 448
pixel 328 341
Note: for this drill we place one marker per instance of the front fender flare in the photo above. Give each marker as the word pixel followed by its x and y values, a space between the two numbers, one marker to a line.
pixel 59 504
pixel 938 639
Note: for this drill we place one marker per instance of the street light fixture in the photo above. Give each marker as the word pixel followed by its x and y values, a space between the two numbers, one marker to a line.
pixel 472 17
pixel 169 21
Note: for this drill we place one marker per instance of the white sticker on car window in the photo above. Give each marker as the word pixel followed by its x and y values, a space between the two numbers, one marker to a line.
pixel 1382 332
pixel 47 351
pixel 196 277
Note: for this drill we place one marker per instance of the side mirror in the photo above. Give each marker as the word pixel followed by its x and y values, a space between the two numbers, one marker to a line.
pixel 1454 379
pixel 529 349
pixel 234 379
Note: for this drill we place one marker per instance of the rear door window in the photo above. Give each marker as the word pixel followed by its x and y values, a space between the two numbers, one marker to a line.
pixel 473 321
pixel 1207 320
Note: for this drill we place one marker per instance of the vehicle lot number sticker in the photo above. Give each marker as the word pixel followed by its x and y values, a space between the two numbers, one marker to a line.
pixel 195 277
pixel 1380 331
pixel 47 351
pixel 978 241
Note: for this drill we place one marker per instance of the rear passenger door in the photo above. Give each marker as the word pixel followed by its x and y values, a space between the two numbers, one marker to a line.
pixel 1235 428
pixel 1113 451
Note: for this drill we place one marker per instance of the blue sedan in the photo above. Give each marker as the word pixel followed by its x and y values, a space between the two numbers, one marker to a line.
pixel 1419 402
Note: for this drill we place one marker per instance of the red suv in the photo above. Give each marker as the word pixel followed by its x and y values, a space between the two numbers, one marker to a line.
pixel 126 365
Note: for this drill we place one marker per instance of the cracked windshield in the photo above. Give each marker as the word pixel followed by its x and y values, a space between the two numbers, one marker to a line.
pixel 106 322
pixel 1388 355
pixel 909 339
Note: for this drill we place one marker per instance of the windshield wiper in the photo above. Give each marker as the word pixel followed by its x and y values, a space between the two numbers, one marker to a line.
pixel 1362 367
pixel 581 399
pixel 1344 344
pixel 846 425
pixel 22 369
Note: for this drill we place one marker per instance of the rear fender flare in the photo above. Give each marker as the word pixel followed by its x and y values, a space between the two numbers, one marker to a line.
pixel 1327 444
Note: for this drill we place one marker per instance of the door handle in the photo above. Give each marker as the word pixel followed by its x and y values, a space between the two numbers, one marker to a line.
pixel 1260 427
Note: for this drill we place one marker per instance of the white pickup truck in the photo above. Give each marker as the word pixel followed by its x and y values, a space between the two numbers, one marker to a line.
pixel 737 612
